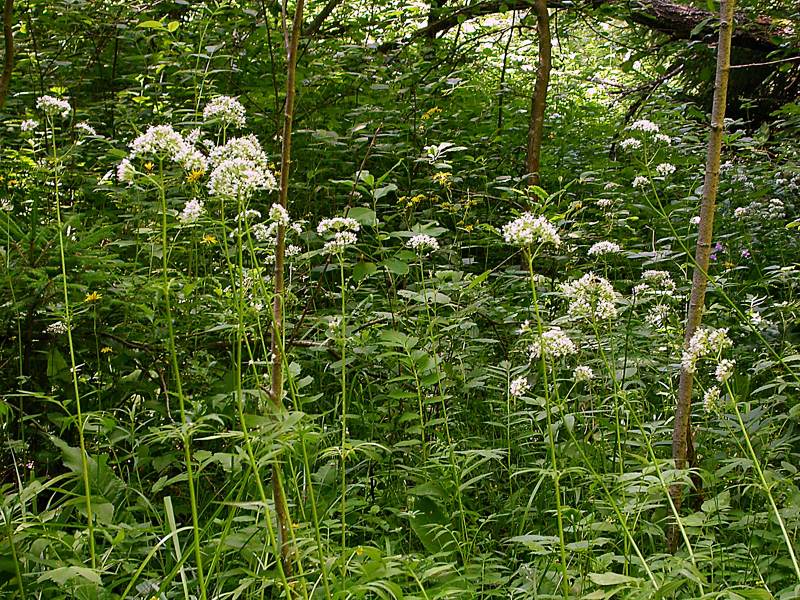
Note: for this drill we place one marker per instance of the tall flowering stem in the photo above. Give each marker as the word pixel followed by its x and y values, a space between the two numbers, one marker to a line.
pixel 87 490
pixel 277 346
pixel 185 437
pixel 682 447
pixel 529 254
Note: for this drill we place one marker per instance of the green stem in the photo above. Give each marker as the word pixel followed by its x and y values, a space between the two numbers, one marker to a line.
pixel 343 491
pixel 551 437
pixel 764 484
pixel 74 370
pixel 185 437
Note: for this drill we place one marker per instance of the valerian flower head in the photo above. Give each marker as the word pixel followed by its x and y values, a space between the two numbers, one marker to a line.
pixel 56 328
pixel 239 178
pixel 159 141
pixel 630 144
pixel 605 202
pixel 645 126
pixel 665 169
pixel 591 297
pixel 339 243
pixel 582 373
pixel 422 243
pixel 640 181
pixel 246 148
pixel 664 139
pixel 654 283
pixel 126 172
pixel 240 167
pixel 711 398
pixel 336 224
pixel 225 110
pixel 28 125
pixel 604 247
pixel 342 232
pixel 724 370
pixel 658 316
pixel 554 343
pixel 527 230
pixel 278 214
pixel 192 160
pixel 191 211
pixel 83 128
pixel 518 387
pixel 52 106
pixel 704 342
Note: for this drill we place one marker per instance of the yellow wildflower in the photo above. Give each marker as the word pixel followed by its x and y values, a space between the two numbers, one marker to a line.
pixel 194 175
pixel 148 166
pixel 106 350
pixel 432 112
pixel 443 178
pixel 92 297
pixel 209 239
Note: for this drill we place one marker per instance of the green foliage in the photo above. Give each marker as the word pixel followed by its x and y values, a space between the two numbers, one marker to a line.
pixel 416 462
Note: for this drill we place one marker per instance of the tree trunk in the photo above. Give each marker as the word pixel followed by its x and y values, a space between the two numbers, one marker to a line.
pixel 539 99
pixel 276 387
pixel 681 434
pixel 8 56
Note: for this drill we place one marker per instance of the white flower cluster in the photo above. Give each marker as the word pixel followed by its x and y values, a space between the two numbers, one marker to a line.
pixel 159 141
pixel 645 126
pixel 28 125
pixel 52 106
pixel 191 211
pixel 724 369
pixel 240 167
pixel 57 328
pixel 554 343
pixel 711 398
pixel 85 129
pixel 605 202
pixel 339 243
pixel 422 242
pixel 527 230
pixel 773 210
pixel 337 224
pixel 591 297
pixel 630 144
pixel 519 387
pixel 655 283
pixel 640 181
pixel 604 247
pixel 665 169
pixel 664 139
pixel 278 217
pixel 582 373
pixel 657 316
pixel 126 172
pixel 343 230
pixel 705 342
pixel 278 214
pixel 225 110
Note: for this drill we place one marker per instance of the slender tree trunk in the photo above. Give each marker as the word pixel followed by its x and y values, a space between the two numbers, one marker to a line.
pixel 539 99
pixel 8 56
pixel 682 447
pixel 276 388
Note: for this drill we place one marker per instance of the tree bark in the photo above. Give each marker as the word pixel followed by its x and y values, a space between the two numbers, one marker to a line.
pixel 681 434
pixel 539 100
pixel 277 347
pixel 8 56
pixel 679 21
